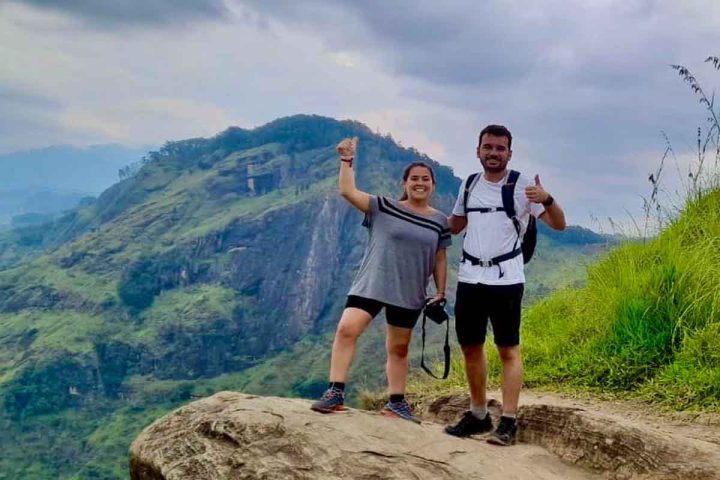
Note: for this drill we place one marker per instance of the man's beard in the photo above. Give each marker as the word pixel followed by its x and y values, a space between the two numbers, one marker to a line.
pixel 494 169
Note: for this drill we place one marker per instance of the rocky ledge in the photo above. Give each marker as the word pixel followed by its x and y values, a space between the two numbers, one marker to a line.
pixel 235 436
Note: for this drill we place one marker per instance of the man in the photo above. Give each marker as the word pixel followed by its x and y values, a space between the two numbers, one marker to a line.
pixel 491 279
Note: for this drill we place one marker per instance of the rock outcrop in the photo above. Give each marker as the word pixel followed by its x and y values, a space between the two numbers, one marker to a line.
pixel 236 436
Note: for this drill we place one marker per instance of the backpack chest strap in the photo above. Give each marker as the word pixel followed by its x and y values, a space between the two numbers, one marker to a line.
pixel 493 262
pixel 485 209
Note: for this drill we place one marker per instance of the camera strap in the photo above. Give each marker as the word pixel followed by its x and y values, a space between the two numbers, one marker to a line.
pixel 446 349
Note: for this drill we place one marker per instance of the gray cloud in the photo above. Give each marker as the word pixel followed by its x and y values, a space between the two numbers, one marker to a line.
pixel 24 115
pixel 440 42
pixel 134 12
pixel 585 86
pixel 581 80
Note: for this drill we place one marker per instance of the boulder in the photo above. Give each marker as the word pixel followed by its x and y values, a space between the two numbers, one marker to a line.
pixel 235 436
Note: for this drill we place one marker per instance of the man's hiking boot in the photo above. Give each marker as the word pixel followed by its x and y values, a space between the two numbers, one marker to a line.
pixel 333 400
pixel 469 424
pixel 505 433
pixel 400 409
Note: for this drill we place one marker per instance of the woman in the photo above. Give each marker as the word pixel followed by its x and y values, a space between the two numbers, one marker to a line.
pixel 407 244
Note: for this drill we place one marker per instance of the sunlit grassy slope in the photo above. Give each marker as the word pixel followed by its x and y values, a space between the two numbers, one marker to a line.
pixel 647 324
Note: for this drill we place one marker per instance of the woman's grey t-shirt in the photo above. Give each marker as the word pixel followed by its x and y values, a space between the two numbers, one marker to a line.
pixel 400 254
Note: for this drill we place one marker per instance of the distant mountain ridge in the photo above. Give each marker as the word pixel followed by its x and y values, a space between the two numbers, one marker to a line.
pixel 64 168
pixel 44 182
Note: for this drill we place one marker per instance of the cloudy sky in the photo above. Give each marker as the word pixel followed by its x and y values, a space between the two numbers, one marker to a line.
pixel 585 85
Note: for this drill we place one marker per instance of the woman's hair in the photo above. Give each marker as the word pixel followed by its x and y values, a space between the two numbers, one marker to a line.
pixel 406 174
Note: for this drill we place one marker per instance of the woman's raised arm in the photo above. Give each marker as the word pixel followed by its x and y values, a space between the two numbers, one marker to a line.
pixel 346 181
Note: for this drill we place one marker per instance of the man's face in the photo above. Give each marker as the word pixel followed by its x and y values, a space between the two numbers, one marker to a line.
pixel 494 153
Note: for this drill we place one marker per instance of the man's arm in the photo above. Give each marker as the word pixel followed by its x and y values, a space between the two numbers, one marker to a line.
pixel 457 224
pixel 553 215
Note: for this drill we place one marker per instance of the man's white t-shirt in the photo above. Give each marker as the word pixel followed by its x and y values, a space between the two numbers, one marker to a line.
pixel 488 235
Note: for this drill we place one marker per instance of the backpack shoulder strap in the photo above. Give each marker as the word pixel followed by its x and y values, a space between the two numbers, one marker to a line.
pixel 508 193
pixel 508 199
pixel 469 184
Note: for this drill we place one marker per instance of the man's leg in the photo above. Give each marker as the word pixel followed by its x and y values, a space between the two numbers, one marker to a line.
pixel 512 373
pixel 471 325
pixel 506 431
pixel 505 318
pixel 476 372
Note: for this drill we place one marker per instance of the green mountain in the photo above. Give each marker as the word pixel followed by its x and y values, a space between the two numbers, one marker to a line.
pixel 218 263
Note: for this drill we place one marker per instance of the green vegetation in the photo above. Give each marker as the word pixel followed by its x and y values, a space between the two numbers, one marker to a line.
pixel 645 322
pixel 646 325
pixel 205 268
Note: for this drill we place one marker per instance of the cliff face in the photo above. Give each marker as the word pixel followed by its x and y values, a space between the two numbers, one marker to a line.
pixel 214 254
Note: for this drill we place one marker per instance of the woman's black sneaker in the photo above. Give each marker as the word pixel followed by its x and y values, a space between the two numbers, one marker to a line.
pixel 469 424
pixel 333 400
pixel 505 433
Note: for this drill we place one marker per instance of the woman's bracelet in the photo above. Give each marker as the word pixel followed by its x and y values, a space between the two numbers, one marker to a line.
pixel 348 160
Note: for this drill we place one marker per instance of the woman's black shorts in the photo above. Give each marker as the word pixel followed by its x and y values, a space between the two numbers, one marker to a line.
pixel 476 303
pixel 396 316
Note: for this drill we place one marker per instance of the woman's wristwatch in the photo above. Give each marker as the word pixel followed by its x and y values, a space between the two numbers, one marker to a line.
pixel 548 201
pixel 348 160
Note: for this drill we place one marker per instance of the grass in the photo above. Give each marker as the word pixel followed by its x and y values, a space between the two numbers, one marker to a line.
pixel 184 211
pixel 248 208
pixel 194 305
pixel 35 331
pixel 645 326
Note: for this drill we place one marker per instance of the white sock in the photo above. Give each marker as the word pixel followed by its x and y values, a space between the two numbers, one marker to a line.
pixel 479 411
pixel 509 415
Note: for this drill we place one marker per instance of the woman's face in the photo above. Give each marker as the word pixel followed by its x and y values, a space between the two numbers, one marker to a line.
pixel 419 184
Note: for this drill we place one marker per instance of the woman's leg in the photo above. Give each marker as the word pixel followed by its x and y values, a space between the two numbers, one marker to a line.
pixel 353 322
pixel 397 345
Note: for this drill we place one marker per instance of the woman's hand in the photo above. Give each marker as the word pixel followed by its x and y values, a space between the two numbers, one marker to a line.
pixel 437 298
pixel 347 148
pixel 346 181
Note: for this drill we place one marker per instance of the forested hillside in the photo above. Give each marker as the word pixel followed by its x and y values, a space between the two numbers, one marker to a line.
pixel 215 260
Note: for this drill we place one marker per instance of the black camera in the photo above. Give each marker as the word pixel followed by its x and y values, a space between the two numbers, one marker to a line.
pixel 435 311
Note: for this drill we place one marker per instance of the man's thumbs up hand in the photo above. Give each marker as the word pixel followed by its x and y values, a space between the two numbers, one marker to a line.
pixel 536 193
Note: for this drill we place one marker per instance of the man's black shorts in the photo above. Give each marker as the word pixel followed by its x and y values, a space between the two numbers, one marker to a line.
pixel 476 303
pixel 396 316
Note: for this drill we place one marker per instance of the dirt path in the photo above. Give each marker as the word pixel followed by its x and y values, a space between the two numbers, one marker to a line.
pixel 620 439
pixel 704 427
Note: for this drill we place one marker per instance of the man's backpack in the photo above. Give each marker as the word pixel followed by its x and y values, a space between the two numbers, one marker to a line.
pixel 529 238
